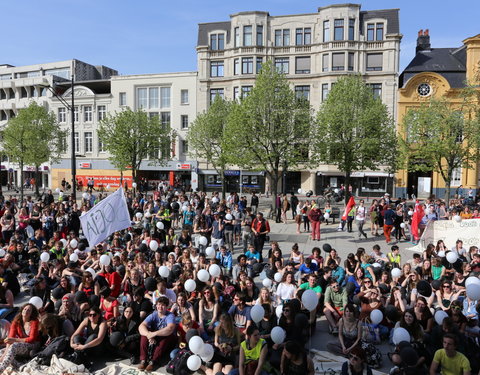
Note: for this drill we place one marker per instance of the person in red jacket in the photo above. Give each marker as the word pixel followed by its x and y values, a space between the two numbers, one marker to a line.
pixel 24 333
pixel 113 278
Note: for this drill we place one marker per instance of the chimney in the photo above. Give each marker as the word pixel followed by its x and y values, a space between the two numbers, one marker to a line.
pixel 423 41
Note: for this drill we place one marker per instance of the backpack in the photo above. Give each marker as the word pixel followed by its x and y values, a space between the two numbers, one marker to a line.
pixel 57 346
pixel 178 365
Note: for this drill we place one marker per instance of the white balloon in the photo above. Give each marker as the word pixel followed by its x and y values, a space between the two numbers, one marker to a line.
pixel 210 252
pixel 144 241
pixel 194 362
pixel 441 253
pixel 277 335
pixel 376 265
pixel 153 245
pixel 214 270
pixel 196 344
pixel 452 257
pixel 439 316
pixel 163 271
pixel 203 275
pixel 148 214
pixel 457 218
pixel 310 299
pixel 410 213
pixel 326 216
pixel 215 200
pixel 190 285
pixel 2 253
pixel 228 217
pixel 257 313
pixel 203 241
pixel 60 194
pixel 57 190
pixel 73 257
pixel 279 311
pixel 402 225
pixel 473 291
pixel 92 272
pixel 64 242
pixel 160 225
pixel 36 301
pixel 267 283
pixel 108 187
pixel 472 280
pixel 278 277
pixel 30 231
pixel 400 334
pixel 376 316
pixel 85 195
pixel 299 191
pixel 396 273
pixel 336 191
pixel 73 243
pixel 207 353
pixel 45 257
pixel 134 185
pixel 138 215
pixel 105 260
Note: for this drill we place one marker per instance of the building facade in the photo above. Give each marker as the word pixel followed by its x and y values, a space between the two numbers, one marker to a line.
pixel 437 72
pixel 312 50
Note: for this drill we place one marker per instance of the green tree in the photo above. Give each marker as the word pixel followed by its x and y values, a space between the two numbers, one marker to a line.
pixel 441 136
pixel 206 137
pixel 269 129
pixel 33 137
pixel 354 130
pixel 132 137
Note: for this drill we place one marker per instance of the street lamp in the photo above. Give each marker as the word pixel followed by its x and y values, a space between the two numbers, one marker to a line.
pixel 71 108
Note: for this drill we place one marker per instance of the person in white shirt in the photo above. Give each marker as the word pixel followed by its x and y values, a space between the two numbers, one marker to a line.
pixel 360 219
pixel 286 289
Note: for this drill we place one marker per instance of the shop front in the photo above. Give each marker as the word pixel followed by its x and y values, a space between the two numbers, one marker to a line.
pixel 235 181
pixel 363 184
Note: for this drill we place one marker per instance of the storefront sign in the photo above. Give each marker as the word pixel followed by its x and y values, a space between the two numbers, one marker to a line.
pixel 85 165
pixel 185 166
pixel 103 181
pixel 232 173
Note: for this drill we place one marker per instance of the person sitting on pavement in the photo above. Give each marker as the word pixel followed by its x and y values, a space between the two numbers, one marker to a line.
pixel 335 301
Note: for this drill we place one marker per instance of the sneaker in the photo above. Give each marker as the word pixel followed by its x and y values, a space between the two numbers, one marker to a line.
pixel 142 365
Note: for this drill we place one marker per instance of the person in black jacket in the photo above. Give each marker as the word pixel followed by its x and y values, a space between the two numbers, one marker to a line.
pixel 125 338
pixel 293 205
pixel 254 203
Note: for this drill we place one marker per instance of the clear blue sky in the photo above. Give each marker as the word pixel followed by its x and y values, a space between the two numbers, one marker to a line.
pixel 154 36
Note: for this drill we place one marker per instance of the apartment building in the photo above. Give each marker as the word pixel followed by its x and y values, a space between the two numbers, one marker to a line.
pixel 313 50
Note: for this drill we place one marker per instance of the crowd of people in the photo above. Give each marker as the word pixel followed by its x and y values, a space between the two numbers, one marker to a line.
pixel 170 287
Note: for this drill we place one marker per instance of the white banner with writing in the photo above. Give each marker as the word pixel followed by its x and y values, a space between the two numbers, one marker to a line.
pixel 449 231
pixel 105 218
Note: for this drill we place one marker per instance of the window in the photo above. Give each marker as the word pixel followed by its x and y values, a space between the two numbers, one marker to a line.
pixel 303 36
pixel 122 99
pixel 376 89
pixel 184 121
pixel 247 65
pixel 214 93
pixel 77 142
pixel 75 114
pixel 236 93
pixel 236 39
pixel 153 97
pixel 236 66
pixel 247 36
pixel 184 147
pixel 286 37
pixel 281 63
pixel 87 113
pixel 282 38
pixel 217 42
pixel 338 30
pixel 142 100
pixel 183 96
pixel 216 68
pixel 374 61
pixel 351 56
pixel 88 141
pixel 152 114
pixel 326 31
pixel 325 62
pixel 246 91
pixel 324 91
pixel 101 146
pixel 259 35
pixel 351 29
pixel 278 38
pixel 62 115
pixel 302 92
pixel 457 176
pixel 338 61
pixel 302 65
pixel 374 31
pixel 164 97
pixel 102 112
pixel 165 119
pixel 259 64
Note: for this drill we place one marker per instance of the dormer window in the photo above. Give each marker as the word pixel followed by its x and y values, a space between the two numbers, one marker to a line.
pixel 217 42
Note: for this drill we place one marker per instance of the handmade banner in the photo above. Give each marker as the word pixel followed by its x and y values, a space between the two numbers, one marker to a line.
pixel 105 218
pixel 449 231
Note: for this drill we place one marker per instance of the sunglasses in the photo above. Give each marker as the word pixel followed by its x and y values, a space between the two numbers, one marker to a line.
pixel 367 282
pixel 456 307
pixel 447 286
pixel 92 314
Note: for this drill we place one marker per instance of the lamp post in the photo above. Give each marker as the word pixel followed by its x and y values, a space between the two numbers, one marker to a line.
pixel 71 108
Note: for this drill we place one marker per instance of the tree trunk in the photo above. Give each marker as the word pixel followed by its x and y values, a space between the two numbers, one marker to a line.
pixel 37 181
pixel 121 178
pixel 21 184
pixel 347 186
pixel 134 179
pixel 447 191
pixel 275 179
pixel 224 187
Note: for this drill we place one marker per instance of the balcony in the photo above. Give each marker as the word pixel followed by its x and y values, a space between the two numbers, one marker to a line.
pixel 374 45
pixel 303 48
pixel 281 50
pixel 216 53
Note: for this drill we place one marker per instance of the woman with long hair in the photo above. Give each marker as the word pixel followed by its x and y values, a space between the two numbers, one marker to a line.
pixel 374 213
pixel 350 265
pixel 295 360
pixel 349 332
pixel 446 295
pixel 125 338
pixel 251 291
pixel 181 306
pixel 23 335
pixel 286 289
pixel 410 322
pixel 423 314
pixel 208 309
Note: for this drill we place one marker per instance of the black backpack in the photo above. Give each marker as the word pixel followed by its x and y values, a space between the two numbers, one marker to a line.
pixel 58 346
pixel 178 365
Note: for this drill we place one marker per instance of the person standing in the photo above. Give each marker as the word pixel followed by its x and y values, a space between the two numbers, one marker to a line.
pixel 260 228
pixel 254 203
pixel 360 219
pixel 388 222
pixel 314 217
pixel 293 205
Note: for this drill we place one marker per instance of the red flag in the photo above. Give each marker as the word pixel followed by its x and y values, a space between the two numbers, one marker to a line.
pixel 350 204
pixel 417 217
